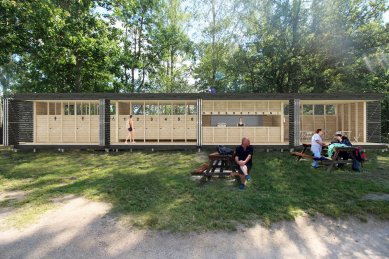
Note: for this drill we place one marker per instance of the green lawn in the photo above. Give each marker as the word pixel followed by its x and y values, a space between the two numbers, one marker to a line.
pixel 155 190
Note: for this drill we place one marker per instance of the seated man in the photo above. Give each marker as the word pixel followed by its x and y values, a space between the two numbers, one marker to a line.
pixel 243 158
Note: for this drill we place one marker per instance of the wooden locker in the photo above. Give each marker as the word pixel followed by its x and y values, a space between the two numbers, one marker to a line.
pixel 68 129
pixel 179 127
pixel 94 129
pixel 55 128
pixel 152 127
pixel 165 127
pixel 82 129
pixel 42 133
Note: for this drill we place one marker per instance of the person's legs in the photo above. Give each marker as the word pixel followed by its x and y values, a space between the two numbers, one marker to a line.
pixel 244 169
pixel 315 163
pixel 132 136
pixel 128 137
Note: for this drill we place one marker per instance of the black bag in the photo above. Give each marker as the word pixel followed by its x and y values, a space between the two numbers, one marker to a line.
pixel 223 150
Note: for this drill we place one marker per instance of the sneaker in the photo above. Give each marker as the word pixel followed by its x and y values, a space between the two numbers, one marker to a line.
pixel 241 186
pixel 248 178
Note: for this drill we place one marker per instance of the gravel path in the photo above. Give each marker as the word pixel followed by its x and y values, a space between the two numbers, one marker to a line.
pixel 82 228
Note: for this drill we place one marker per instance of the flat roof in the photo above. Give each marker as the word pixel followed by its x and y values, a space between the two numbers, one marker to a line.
pixel 194 96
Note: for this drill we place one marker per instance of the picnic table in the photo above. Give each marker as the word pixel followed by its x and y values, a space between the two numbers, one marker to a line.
pixel 336 159
pixel 225 164
pixel 303 153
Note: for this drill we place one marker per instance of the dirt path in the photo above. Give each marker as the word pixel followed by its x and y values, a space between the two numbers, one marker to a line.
pixel 82 228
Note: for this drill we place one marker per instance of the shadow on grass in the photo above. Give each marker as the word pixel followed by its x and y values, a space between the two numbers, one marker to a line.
pixel 154 190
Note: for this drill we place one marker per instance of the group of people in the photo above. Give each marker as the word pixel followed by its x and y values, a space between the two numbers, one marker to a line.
pixel 317 145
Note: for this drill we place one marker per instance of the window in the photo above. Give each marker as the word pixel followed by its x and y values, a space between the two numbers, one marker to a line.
pixel 319 109
pixel 286 109
pixel 94 109
pixel 307 109
pixel 82 109
pixel 112 109
pixel 137 109
pixel 179 109
pixel 166 109
pixel 69 109
pixel 330 109
pixel 191 109
pixel 54 108
pixel 151 109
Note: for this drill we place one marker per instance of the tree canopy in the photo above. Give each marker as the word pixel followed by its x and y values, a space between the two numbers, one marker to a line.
pixel 191 46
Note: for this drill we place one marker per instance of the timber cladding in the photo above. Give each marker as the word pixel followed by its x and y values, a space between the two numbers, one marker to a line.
pixel 373 120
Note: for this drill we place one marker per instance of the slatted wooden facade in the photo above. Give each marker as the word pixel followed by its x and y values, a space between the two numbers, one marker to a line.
pixel 100 120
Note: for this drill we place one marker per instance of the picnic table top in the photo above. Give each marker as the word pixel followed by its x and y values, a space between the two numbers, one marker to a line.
pixel 345 148
pixel 217 155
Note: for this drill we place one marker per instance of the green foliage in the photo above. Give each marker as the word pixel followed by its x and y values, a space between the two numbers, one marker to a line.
pixel 182 46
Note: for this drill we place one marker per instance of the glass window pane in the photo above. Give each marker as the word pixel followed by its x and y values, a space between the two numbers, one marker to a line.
pixel 58 109
pixel 179 109
pixel 69 109
pixel 307 109
pixel 137 109
pixel 286 109
pixel 79 108
pixel 112 109
pixel 330 109
pixel 151 109
pixel 51 108
pixel 85 109
pixel 319 109
pixel 192 109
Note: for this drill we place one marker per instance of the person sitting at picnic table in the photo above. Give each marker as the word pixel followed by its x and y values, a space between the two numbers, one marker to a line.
pixel 340 141
pixel 317 146
pixel 243 158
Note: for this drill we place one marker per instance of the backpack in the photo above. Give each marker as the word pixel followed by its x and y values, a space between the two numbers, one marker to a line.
pixel 360 154
pixel 223 150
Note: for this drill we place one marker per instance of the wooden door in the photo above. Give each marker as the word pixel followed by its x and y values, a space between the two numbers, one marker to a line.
pixel 165 127
pixel 55 122
pixel 82 129
pixel 69 129
pixel 152 127
pixel 94 129
pixel 179 127
pixel 139 127
pixel 191 128
pixel 42 133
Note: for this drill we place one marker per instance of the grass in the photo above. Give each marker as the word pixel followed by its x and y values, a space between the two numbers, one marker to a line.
pixel 155 190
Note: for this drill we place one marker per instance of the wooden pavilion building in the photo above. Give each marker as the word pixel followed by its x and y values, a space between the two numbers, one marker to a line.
pixel 99 120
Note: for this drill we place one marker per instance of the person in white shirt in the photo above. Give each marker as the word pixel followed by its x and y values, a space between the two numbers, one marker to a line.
pixel 316 146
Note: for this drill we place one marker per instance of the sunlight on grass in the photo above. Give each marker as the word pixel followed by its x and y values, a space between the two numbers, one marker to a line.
pixel 155 190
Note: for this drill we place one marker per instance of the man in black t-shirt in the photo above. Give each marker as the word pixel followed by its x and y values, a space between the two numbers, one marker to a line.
pixel 243 158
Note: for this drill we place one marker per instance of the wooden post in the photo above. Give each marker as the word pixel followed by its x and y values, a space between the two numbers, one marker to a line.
pixel 282 122
pixel 356 121
pixel 364 122
pixel 35 127
pixel 117 122
pixel 343 117
pixel 337 117
pixel 349 117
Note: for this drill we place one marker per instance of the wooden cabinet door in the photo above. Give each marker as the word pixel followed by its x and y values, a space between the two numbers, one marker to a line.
pixel 179 127
pixel 82 129
pixel 69 129
pixel 42 133
pixel 55 128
